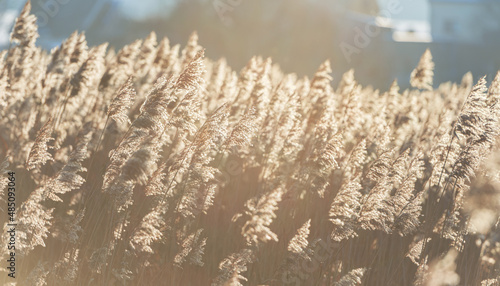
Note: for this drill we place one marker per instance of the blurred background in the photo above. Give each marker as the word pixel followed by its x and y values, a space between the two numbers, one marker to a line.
pixel 381 39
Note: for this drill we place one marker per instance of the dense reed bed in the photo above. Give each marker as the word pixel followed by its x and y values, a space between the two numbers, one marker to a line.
pixel 154 165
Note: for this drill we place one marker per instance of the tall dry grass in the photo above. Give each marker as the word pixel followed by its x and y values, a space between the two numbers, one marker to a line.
pixel 153 165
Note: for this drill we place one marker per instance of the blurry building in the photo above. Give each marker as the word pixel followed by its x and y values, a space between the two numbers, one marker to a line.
pixel 467 21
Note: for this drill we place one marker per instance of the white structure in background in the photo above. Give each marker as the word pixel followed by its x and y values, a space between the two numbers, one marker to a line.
pixel 411 31
pixel 410 23
pixel 415 10
pixel 465 20
pixel 398 20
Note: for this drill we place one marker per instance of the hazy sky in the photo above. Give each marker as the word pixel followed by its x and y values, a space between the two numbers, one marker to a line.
pixel 141 9
pixel 412 9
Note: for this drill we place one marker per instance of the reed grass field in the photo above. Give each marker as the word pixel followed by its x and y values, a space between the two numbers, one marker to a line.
pixel 154 165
